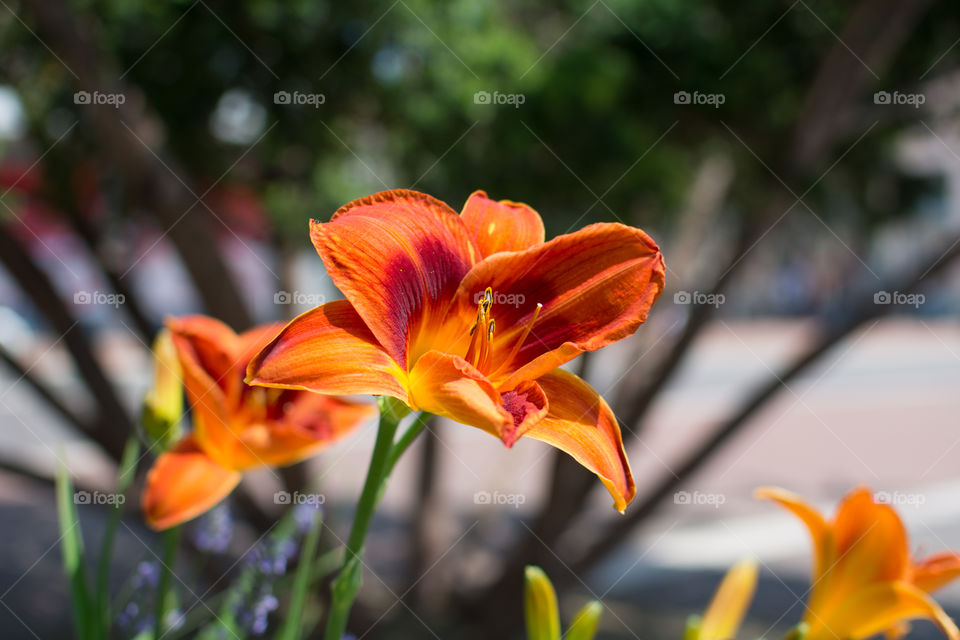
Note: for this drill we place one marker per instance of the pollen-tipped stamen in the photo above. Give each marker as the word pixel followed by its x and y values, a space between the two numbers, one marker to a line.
pixel 479 338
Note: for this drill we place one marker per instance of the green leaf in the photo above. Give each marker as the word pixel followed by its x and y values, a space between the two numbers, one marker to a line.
pixel 585 623
pixel 293 625
pixel 71 544
pixel 540 606
pixel 128 467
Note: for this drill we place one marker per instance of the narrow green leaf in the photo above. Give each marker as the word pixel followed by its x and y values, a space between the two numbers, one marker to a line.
pixel 128 464
pixel 540 605
pixel 292 627
pixel 71 544
pixel 171 542
pixel 585 623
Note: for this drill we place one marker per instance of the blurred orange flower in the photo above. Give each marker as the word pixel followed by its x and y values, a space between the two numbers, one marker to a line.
pixel 469 316
pixel 235 427
pixel 864 581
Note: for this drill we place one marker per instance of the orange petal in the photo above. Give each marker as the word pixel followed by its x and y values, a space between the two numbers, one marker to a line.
pixel 937 570
pixel 328 350
pixel 596 286
pixel 580 423
pixel 398 257
pixel 208 398
pixel 501 226
pixel 527 404
pixel 871 541
pixel 877 608
pixel 820 533
pixel 449 386
pixel 212 345
pixel 309 423
pixel 184 483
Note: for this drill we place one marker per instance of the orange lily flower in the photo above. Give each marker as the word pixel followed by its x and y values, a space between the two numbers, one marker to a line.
pixel 864 581
pixel 236 427
pixel 469 317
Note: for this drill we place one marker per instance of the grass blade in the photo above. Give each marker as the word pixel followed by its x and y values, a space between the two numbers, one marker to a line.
pixel 71 544
pixel 292 626
pixel 128 467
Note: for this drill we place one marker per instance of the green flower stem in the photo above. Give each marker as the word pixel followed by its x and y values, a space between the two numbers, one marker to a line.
pixel 385 455
pixel 171 541
pixel 407 439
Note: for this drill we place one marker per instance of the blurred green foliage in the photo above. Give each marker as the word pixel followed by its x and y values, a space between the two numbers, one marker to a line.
pixel 598 79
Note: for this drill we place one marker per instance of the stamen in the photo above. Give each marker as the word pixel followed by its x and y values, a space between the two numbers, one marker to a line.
pixel 486 348
pixel 519 343
pixel 477 338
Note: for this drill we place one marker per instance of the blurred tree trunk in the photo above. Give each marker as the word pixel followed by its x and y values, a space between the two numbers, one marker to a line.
pixel 879 29
pixel 127 137
pixel 864 310
pixel 113 425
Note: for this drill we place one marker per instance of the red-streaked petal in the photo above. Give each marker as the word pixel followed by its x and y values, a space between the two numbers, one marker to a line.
pixel 208 400
pixel 252 341
pixel 449 386
pixel 935 571
pixel 527 404
pixel 398 257
pixel 184 483
pixel 210 343
pixel 596 286
pixel 310 423
pixel 581 423
pixel 328 350
pixel 501 226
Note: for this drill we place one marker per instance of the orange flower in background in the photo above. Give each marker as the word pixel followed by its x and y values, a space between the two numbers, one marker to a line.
pixel 469 316
pixel 235 427
pixel 864 581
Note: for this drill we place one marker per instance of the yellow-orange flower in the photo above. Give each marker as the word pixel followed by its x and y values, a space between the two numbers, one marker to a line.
pixel 469 316
pixel 725 613
pixel 235 427
pixel 864 581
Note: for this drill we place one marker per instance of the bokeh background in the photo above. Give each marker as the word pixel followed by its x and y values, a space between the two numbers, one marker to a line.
pixel 798 162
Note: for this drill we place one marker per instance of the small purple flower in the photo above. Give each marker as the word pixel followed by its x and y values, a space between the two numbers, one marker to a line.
pixel 305 514
pixel 254 614
pixel 212 533
pixel 147 575
pixel 137 615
